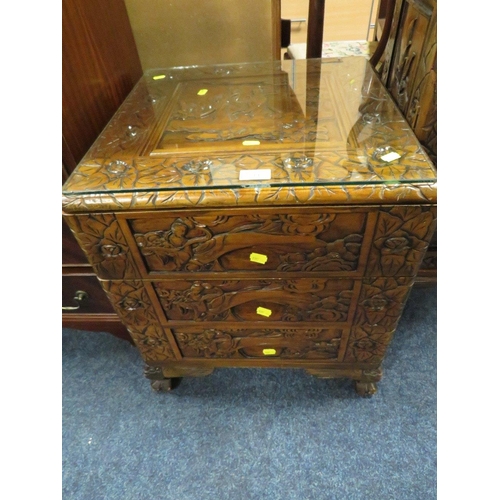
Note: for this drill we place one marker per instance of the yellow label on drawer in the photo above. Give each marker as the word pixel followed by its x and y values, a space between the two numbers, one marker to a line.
pixel 269 352
pixel 202 91
pixel 251 143
pixel 258 257
pixel 264 312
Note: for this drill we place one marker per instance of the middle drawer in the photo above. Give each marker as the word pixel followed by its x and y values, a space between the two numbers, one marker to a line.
pixel 284 300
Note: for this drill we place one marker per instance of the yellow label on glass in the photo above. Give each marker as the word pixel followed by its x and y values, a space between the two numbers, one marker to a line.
pixel 258 257
pixel 264 312
pixel 202 91
pixel 269 352
pixel 159 77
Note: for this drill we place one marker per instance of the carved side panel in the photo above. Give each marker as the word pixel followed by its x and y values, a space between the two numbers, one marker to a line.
pixel 132 303
pixel 409 68
pixel 247 343
pixel 401 239
pixel 384 64
pixel 102 240
pixel 380 305
pixel 414 26
pixel 256 300
pixel 422 108
pixel 284 242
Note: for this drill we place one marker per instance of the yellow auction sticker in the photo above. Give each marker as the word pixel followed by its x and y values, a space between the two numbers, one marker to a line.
pixel 269 352
pixel 202 91
pixel 159 77
pixel 264 312
pixel 258 257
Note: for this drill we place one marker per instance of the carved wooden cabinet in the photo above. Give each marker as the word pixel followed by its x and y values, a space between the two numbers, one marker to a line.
pixel 257 215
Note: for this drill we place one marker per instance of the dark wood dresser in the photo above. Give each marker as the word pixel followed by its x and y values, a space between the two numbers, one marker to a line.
pixel 99 69
pixel 257 215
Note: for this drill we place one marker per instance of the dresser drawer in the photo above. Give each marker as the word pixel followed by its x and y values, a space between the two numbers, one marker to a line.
pixel 292 241
pixel 258 300
pixel 94 301
pixel 312 343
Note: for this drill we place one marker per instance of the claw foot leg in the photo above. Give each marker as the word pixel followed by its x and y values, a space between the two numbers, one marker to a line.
pixel 366 386
pixel 160 383
pixel 365 389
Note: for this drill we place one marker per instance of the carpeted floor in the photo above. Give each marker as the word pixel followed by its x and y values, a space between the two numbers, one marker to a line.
pixel 245 434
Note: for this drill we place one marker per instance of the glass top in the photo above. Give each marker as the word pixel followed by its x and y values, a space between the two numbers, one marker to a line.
pixel 284 123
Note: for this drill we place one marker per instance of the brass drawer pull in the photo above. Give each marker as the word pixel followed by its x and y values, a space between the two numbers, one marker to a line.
pixel 79 297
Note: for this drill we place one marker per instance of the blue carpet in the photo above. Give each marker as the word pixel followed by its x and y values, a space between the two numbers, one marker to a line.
pixel 249 433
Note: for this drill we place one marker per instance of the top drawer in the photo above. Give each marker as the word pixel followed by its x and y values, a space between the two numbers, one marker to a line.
pixel 289 241
pixel 347 242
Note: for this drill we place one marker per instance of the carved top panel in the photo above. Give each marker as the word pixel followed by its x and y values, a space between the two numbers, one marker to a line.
pixel 208 135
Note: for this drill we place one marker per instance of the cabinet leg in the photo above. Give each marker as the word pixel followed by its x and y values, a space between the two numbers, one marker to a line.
pixel 365 389
pixel 164 385
pixel 159 383
pixel 366 386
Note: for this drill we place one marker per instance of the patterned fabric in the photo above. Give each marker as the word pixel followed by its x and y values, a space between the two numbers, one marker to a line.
pixel 335 49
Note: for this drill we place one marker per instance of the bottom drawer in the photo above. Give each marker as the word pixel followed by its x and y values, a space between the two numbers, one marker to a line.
pixel 311 343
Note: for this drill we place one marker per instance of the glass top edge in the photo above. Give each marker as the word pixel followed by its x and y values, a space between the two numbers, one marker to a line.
pixel 255 185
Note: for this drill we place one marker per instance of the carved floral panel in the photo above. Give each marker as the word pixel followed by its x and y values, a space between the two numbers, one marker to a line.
pixel 102 240
pixel 379 308
pixel 401 239
pixel 132 303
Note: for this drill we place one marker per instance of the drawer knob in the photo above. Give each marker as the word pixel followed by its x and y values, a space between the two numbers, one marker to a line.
pixel 79 297
pixel 258 257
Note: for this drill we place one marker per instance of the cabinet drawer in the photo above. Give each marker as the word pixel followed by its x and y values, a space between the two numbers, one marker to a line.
pixel 305 241
pixel 257 300
pixel 96 300
pixel 312 343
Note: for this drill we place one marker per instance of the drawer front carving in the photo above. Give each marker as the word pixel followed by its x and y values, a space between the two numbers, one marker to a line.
pixel 257 300
pixel 313 343
pixel 283 242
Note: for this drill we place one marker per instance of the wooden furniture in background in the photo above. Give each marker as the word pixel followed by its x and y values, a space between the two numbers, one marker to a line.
pixel 343 19
pixel 408 68
pixel 100 65
pixel 406 61
pixel 262 215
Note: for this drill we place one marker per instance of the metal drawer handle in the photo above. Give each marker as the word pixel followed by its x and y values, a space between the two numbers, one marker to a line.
pixel 79 297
